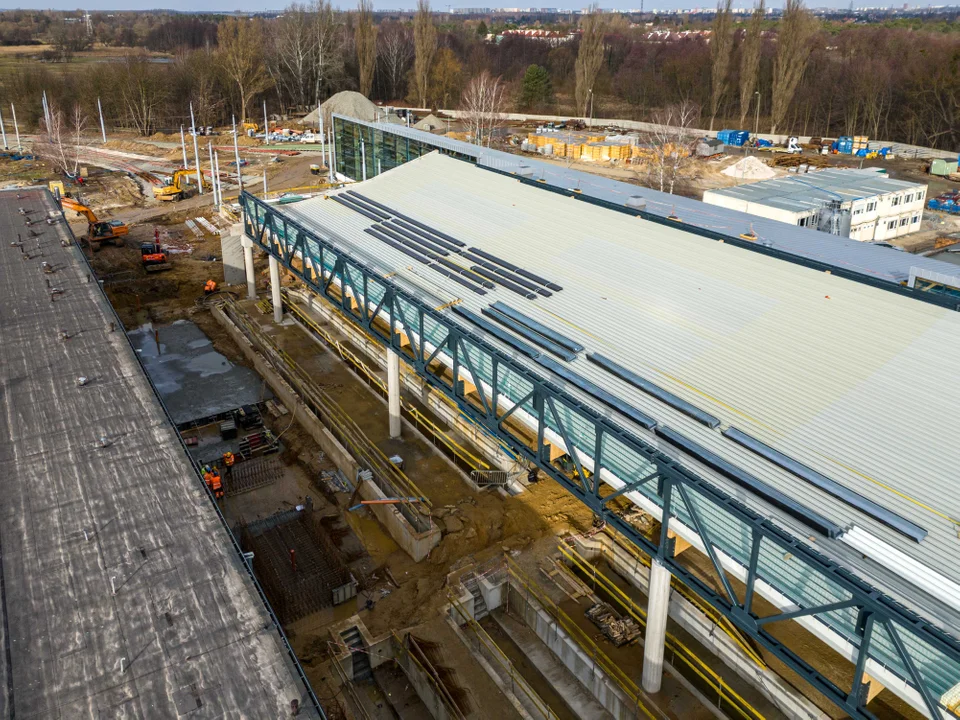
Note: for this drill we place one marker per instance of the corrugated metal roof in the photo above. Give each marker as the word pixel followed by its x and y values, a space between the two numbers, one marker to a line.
pixel 810 191
pixel 856 383
pixel 872 261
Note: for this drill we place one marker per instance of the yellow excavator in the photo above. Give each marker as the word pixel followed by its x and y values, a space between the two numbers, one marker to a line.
pixel 179 185
pixel 97 231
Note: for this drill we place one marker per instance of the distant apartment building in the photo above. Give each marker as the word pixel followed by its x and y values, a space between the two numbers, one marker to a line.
pixel 861 204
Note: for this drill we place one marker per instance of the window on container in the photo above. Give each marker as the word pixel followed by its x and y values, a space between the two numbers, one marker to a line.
pixel 871 206
pixel 916 219
pixel 908 198
pixel 802 222
pixel 891 225
pixel 895 201
pixel 903 221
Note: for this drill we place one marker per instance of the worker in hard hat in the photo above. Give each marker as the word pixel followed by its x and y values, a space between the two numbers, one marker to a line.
pixel 209 287
pixel 228 458
pixel 217 486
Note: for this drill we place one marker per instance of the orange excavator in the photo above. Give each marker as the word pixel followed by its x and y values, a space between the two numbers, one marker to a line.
pixel 97 232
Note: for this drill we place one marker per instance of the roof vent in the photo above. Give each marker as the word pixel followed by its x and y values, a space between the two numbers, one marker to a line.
pixel 636 202
pixel 525 171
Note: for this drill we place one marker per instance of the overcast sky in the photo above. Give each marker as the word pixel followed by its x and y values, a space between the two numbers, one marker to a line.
pixel 260 5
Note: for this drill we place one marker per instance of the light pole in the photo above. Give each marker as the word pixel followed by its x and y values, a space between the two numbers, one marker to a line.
pixel 756 128
pixel 591 106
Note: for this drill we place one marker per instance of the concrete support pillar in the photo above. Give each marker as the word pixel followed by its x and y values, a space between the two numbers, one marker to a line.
pixel 658 602
pixel 247 244
pixel 275 289
pixel 393 392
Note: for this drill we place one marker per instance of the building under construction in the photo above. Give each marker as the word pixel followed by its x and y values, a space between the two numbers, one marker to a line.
pixel 721 404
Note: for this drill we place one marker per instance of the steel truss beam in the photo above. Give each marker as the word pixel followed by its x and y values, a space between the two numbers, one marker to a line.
pixel 397 319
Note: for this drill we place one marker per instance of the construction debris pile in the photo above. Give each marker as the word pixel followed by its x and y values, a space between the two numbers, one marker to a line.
pixel 618 630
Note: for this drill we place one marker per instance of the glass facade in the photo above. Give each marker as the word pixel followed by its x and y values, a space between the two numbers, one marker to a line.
pixel 357 144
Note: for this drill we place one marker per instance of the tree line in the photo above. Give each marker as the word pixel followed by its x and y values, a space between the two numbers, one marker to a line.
pixel 793 74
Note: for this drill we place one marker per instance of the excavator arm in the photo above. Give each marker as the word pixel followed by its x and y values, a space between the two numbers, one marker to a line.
pixel 71 204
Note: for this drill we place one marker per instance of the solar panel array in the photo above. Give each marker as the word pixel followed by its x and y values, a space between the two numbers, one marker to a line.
pixel 434 248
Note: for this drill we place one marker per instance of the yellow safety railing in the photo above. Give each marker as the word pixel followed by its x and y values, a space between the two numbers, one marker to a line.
pixel 494 651
pixel 586 643
pixel 340 423
pixel 726 696
pixel 402 652
pixel 711 612
pixel 472 461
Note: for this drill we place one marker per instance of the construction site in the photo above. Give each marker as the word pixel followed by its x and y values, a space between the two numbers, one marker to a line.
pixel 391 425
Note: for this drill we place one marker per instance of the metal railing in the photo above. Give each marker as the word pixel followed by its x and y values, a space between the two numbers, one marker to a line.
pixel 409 656
pixel 586 643
pixel 724 696
pixel 495 654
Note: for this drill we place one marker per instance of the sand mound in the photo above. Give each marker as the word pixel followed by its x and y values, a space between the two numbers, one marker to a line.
pixel 349 103
pixel 750 168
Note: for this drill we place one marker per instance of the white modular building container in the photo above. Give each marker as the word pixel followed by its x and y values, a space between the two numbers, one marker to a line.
pixel 879 208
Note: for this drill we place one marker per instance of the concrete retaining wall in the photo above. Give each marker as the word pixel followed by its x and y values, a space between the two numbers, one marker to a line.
pixel 566 649
pixel 416 545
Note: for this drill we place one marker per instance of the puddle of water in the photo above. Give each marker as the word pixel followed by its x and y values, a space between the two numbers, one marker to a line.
pixel 374 538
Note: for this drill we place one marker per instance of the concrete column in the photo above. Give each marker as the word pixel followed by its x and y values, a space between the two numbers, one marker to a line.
pixel 275 289
pixel 658 602
pixel 393 392
pixel 247 244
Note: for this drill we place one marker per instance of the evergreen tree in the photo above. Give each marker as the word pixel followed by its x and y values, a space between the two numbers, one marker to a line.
pixel 536 88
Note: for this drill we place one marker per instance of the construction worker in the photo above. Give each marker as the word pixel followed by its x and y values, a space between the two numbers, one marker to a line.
pixel 209 287
pixel 228 458
pixel 217 486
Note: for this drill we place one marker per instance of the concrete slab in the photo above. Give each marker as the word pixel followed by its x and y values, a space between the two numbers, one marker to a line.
pixel 194 380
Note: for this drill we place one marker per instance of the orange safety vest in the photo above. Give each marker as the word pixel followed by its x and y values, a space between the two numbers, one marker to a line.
pixel 210 286
pixel 228 458
pixel 217 487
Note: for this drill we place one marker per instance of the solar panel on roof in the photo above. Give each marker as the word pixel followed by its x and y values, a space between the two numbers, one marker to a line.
pixel 651 389
pixel 642 419
pixel 399 233
pixel 538 327
pixel 746 480
pixel 874 510
pixel 355 208
pixel 518 270
pixel 368 208
pixel 529 334
pixel 428 236
pixel 505 283
pixel 501 335
pixel 430 260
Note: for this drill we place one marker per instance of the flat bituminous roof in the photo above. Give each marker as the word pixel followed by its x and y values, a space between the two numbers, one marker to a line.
pixel 856 383
pixel 809 192
pixel 121 592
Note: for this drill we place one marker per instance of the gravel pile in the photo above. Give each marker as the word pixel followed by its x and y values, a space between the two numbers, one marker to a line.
pixel 349 103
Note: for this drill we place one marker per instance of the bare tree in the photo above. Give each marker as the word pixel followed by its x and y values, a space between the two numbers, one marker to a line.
pixel 365 36
pixel 721 43
pixel 672 136
pixel 240 51
pixel 590 56
pixel 483 105
pixel 425 47
pixel 328 44
pixel 394 53
pixel 59 143
pixel 143 91
pixel 293 51
pixel 750 59
pixel 797 29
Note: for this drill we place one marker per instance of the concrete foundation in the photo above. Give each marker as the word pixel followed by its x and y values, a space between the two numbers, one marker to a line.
pixel 416 545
